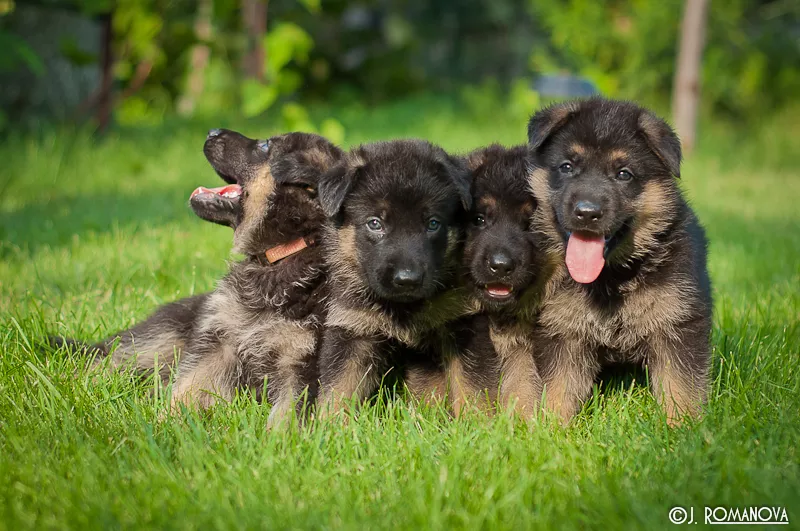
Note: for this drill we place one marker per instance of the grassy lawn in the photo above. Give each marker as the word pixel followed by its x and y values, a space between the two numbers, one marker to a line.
pixel 95 234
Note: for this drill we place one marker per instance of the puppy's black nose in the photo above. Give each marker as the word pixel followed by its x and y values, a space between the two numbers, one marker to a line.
pixel 588 211
pixel 407 278
pixel 214 132
pixel 501 263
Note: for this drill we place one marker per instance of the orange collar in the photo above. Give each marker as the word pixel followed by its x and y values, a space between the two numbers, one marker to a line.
pixel 279 252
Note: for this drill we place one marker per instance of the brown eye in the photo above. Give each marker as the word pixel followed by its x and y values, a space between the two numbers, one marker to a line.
pixel 479 220
pixel 566 168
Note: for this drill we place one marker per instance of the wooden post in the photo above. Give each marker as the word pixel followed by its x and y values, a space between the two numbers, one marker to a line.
pixel 686 88
pixel 254 19
pixel 200 54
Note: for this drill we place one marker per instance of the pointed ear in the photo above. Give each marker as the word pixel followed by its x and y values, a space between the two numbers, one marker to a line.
pixel 457 169
pixel 476 159
pixel 336 183
pixel 546 122
pixel 662 140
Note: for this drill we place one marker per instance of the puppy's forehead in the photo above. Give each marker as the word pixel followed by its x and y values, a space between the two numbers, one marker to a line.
pixel 503 174
pixel 505 205
pixel 601 125
pixel 290 142
pixel 486 201
pixel 607 142
pixel 405 194
pixel 405 176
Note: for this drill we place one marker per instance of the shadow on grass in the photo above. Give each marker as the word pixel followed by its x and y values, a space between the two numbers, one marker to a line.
pixel 619 377
pixel 56 222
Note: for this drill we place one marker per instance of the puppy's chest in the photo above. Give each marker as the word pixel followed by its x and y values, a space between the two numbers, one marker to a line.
pixel 373 322
pixel 254 334
pixel 412 329
pixel 620 320
pixel 512 340
pixel 292 293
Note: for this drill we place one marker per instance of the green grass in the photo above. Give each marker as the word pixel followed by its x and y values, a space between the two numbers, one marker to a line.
pixel 97 233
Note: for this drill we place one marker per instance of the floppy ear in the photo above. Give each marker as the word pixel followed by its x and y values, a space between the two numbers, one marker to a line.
pixel 662 140
pixel 458 171
pixel 549 120
pixel 335 184
pixel 305 166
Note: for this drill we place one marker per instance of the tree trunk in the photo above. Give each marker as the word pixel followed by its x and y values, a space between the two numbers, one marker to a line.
pixel 199 57
pixel 254 19
pixel 105 100
pixel 686 89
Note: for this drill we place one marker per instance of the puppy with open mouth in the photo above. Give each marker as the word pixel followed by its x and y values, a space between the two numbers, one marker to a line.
pixel 502 277
pixel 259 328
pixel 506 273
pixel 631 284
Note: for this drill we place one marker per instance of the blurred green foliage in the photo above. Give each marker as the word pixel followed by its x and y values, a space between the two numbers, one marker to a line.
pixel 285 43
pixel 376 50
pixel 628 49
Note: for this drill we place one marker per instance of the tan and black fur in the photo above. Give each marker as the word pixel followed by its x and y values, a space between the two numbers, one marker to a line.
pixel 259 328
pixel 608 169
pixel 262 322
pixel 154 345
pixel 392 246
pixel 503 274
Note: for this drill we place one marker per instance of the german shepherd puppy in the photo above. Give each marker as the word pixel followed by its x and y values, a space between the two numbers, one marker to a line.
pixel 262 321
pixel 631 283
pixel 261 324
pixel 503 276
pixel 504 273
pixel 392 248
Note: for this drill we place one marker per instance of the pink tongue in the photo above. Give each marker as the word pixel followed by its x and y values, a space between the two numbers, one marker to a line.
pixel 231 190
pixel 585 257
pixel 498 290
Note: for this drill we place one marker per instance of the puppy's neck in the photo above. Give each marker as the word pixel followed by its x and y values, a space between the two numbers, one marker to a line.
pixel 294 286
pixel 279 252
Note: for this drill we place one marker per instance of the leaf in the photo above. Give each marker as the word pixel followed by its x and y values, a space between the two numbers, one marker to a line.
pixel 313 6
pixel 123 69
pixel 289 81
pixel 397 31
pixel 18 52
pixel 30 58
pixel 284 43
pixel 74 54
pixel 148 107
pixel 257 97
